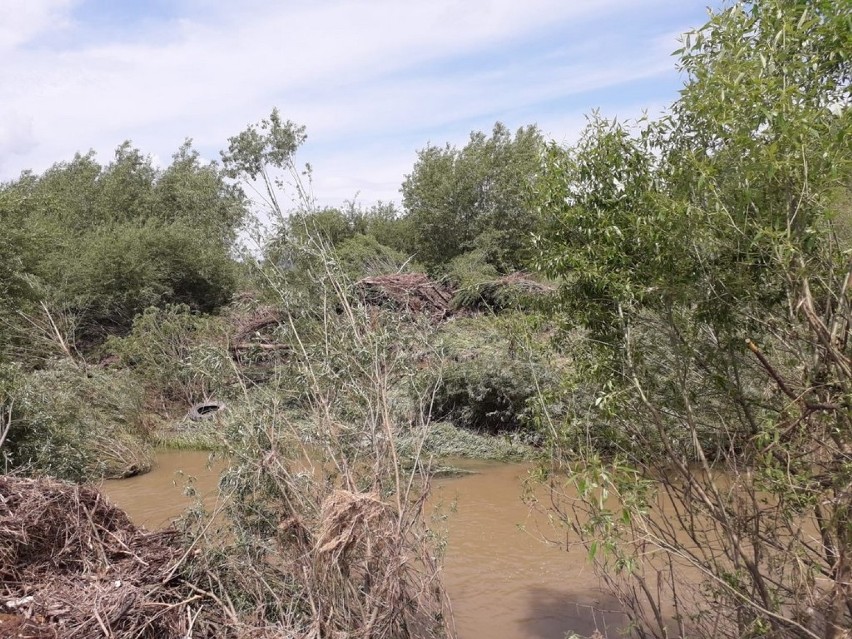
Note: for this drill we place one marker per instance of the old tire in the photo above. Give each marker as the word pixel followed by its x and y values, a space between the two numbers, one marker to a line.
pixel 205 410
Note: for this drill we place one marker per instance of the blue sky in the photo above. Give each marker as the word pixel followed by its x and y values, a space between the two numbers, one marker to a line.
pixel 372 80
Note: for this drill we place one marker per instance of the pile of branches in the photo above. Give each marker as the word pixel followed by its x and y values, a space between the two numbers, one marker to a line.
pixel 256 330
pixel 254 344
pixel 254 326
pixel 413 292
pixel 73 565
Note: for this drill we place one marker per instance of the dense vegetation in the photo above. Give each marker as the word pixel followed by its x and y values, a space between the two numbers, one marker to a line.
pixel 679 359
pixel 700 254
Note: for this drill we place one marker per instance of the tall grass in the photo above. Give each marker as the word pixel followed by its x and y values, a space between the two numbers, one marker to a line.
pixel 326 533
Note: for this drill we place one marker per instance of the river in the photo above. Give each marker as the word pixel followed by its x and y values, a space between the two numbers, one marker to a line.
pixel 503 579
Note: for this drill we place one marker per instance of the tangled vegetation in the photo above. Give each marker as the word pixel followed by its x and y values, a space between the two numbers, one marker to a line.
pixel 700 254
pixel 675 351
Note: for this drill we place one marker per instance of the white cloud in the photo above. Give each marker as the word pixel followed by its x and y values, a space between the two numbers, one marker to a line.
pixel 22 20
pixel 366 77
pixel 16 135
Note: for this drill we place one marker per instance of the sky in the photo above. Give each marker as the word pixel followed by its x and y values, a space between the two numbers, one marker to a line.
pixel 373 81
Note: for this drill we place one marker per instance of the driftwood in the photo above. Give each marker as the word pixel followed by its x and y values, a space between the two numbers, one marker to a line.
pixel 73 565
pixel 413 292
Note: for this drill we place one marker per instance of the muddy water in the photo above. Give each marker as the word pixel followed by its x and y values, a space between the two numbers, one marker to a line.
pixel 504 580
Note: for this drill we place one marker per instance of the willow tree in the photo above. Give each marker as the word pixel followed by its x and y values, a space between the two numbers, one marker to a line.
pixel 699 254
pixel 458 200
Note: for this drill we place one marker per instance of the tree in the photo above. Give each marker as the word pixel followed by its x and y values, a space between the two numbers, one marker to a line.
pixel 101 243
pixel 194 194
pixel 15 290
pixel 266 152
pixel 458 200
pixel 700 256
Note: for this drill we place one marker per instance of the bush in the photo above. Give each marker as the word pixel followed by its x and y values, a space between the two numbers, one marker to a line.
pixel 469 269
pixel 176 355
pixel 127 268
pixel 362 256
pixel 478 196
pixel 75 424
pixel 488 379
pixel 320 508
pixel 105 242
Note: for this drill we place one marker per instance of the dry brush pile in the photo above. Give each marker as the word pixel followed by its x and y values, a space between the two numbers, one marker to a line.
pixel 73 565
pixel 413 292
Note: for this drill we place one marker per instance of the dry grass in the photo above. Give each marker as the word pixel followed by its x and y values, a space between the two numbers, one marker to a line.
pixel 72 565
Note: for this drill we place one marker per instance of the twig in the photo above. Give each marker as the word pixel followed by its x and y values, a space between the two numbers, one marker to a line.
pixel 814 406
pixel 8 425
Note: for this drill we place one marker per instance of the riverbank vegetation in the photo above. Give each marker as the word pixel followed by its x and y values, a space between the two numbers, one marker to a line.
pixel 658 314
pixel 701 254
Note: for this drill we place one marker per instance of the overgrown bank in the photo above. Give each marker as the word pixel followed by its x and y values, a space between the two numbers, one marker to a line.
pixel 697 317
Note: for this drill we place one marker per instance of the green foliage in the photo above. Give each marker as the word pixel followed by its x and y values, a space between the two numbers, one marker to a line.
pixel 15 290
pixel 388 226
pixel 453 196
pixel 75 424
pixel 103 243
pixel 489 379
pixel 194 195
pixel 265 152
pixel 363 256
pixel 479 287
pixel 75 197
pixel 128 268
pixel 379 229
pixel 333 225
pixel 446 440
pixel 470 269
pixel 271 142
pixel 176 355
pixel 698 254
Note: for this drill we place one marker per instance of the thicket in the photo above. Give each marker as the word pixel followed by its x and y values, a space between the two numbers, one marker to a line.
pixel 477 197
pixel 702 270
pixel 102 243
pixel 73 423
pixel 86 249
pixel 326 532
pixel 699 254
pixel 178 356
pixel 490 376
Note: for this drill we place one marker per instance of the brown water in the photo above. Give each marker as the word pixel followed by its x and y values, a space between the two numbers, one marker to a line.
pixel 503 580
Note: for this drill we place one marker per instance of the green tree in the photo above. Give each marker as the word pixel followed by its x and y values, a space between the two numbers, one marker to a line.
pixel 699 254
pixel 193 193
pixel 454 198
pixel 265 153
pixel 15 290
pixel 103 242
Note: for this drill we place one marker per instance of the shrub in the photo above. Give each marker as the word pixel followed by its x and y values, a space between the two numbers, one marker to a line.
pixel 488 379
pixel 175 354
pixel 469 269
pixel 75 424
pixel 362 256
pixel 106 242
pixel 320 508
pixel 128 268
